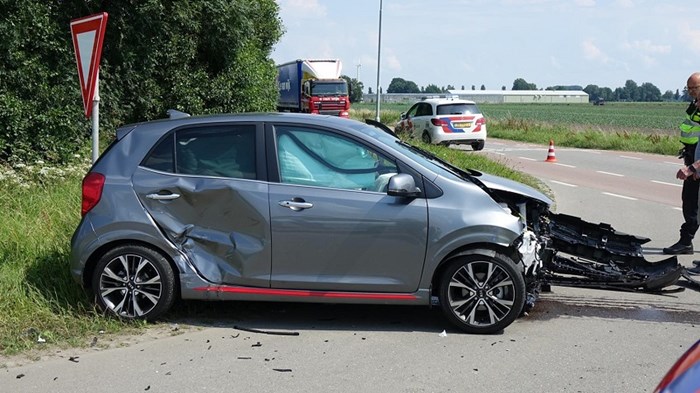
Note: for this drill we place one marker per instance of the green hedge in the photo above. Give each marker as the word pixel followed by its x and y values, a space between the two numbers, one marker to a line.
pixel 199 57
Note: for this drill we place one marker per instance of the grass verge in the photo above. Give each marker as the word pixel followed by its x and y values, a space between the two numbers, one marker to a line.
pixel 40 304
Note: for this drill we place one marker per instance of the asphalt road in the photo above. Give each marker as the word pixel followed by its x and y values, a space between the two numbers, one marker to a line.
pixel 575 340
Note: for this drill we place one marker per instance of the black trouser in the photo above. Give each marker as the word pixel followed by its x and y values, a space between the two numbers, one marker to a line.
pixel 689 196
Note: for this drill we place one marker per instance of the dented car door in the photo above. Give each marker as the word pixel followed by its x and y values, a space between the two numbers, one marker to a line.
pixel 213 208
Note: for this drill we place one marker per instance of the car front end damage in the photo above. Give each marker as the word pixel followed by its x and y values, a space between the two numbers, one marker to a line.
pixel 564 250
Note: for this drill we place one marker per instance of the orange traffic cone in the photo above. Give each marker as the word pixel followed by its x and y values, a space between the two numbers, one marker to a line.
pixel 550 153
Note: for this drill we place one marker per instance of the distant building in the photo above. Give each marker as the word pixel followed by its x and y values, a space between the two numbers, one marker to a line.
pixel 494 96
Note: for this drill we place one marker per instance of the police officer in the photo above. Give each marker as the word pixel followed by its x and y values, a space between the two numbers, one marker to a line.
pixel 690 131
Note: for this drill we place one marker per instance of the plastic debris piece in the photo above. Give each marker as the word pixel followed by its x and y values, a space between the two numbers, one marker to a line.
pixel 40 339
pixel 74 359
pixel 283 370
pixel 257 344
pixel 278 333
pixel 19 376
pixel 443 334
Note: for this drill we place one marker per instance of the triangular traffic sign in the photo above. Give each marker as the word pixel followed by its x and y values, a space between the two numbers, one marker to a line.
pixel 88 33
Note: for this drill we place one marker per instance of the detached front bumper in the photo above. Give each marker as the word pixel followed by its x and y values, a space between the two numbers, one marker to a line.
pixel 590 255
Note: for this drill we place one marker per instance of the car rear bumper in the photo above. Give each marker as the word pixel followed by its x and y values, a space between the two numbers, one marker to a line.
pixel 458 138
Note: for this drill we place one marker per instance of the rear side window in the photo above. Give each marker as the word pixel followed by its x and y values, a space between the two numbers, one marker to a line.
pixel 458 109
pixel 221 151
pixel 424 110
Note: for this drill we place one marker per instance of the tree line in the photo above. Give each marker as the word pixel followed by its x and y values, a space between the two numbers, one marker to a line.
pixel 631 91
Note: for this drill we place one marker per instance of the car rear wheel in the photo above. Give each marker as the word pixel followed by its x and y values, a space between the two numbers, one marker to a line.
pixel 426 137
pixel 482 294
pixel 134 282
pixel 478 145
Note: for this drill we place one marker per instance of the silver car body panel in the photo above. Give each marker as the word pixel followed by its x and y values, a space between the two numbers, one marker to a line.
pixel 373 250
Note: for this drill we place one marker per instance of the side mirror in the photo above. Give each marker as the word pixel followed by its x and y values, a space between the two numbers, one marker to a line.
pixel 403 185
pixel 403 115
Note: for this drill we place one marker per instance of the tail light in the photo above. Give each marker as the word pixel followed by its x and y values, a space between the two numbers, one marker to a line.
pixel 438 122
pixel 92 191
pixel 479 122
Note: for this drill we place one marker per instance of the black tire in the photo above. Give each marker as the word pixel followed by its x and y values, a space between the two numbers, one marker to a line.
pixel 134 282
pixel 426 137
pixel 476 146
pixel 482 294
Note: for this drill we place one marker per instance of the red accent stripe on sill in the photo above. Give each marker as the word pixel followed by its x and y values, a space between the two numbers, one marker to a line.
pixel 307 293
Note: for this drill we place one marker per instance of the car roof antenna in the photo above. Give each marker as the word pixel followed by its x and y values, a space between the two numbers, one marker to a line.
pixel 176 114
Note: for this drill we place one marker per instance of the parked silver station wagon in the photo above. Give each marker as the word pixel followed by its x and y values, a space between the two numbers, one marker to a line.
pixel 299 208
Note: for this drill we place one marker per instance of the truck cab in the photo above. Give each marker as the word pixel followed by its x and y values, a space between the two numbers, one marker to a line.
pixel 326 97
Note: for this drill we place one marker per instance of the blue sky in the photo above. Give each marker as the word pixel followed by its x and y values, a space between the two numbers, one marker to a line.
pixel 494 42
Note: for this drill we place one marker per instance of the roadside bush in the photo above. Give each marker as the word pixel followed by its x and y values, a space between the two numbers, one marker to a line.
pixel 198 57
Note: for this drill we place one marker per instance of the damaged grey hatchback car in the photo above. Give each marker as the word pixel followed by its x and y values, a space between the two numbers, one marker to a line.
pixel 308 208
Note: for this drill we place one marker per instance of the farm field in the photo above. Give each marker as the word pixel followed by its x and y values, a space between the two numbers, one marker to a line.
pixel 642 117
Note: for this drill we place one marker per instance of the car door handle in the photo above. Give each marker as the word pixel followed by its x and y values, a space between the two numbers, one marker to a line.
pixel 163 197
pixel 296 205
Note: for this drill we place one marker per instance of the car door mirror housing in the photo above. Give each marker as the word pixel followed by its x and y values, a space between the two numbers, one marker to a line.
pixel 403 185
pixel 403 115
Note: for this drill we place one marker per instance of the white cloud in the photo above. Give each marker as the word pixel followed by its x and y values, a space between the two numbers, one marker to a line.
pixel 301 9
pixel 554 62
pixel 690 38
pixel 592 52
pixel 392 62
pixel 649 61
pixel 625 3
pixel 585 3
pixel 646 46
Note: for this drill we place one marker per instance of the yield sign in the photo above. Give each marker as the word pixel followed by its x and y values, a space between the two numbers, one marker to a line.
pixel 88 33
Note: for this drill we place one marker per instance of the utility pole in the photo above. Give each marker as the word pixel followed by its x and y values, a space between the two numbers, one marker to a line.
pixel 379 60
pixel 359 64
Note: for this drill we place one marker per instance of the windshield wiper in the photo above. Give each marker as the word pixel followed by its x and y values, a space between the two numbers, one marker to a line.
pixel 381 126
pixel 462 173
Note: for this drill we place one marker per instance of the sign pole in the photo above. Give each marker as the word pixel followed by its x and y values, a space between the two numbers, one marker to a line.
pixel 96 121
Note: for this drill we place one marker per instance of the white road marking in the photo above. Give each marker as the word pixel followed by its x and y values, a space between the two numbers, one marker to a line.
pixel 527 158
pixel 610 173
pixel 620 196
pixel 568 166
pixel 667 184
pixel 564 184
pixel 631 158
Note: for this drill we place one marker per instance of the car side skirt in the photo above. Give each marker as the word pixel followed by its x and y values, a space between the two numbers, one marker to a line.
pixel 207 291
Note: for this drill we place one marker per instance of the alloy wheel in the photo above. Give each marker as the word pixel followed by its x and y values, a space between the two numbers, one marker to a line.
pixel 130 285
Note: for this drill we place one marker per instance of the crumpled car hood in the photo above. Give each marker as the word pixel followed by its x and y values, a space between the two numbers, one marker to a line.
pixel 503 184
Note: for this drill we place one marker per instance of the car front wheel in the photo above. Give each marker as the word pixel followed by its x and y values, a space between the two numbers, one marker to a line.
pixel 482 294
pixel 134 282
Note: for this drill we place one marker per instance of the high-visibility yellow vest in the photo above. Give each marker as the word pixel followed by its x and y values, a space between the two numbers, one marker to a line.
pixel 690 128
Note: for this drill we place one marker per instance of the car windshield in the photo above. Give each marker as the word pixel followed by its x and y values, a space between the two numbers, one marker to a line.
pixel 458 109
pixel 338 88
pixel 421 156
